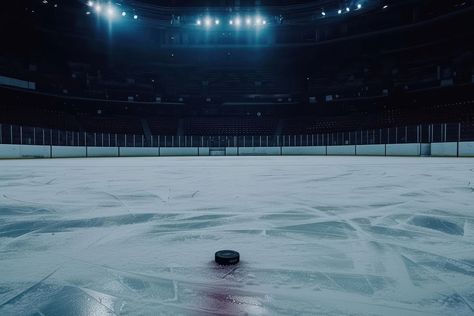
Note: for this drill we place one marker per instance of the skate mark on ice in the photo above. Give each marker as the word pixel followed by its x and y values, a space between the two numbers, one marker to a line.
pixel 438 224
pixel 25 291
pixel 20 228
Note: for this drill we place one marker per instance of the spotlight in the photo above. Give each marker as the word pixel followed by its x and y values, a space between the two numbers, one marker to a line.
pixel 135 17
pixel 217 22
pixel 124 13
pixel 348 9
pixel 110 12
pixel 359 6
pixel 207 22
pixel 339 11
pixel 323 13
pixel 248 21
pixel 198 22
pixel 231 22
pixel 385 7
pixel 98 8
pixel 237 21
pixel 264 22
pixel 90 3
pixel 258 20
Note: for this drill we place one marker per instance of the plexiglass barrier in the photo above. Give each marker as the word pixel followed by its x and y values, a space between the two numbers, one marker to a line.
pixel 430 133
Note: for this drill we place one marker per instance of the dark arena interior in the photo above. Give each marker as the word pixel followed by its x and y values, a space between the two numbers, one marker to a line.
pixel 328 142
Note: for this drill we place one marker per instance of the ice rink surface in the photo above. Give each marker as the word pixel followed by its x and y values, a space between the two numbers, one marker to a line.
pixel 317 235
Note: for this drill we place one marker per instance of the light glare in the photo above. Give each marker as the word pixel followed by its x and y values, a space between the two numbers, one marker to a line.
pixel 110 12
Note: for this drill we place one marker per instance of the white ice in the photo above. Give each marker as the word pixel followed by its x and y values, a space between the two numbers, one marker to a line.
pixel 317 235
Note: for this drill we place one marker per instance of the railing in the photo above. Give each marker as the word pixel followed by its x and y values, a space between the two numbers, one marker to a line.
pixel 430 133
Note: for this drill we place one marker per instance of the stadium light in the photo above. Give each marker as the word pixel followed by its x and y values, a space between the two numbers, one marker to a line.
pixel 124 13
pixel 258 20
pixel 90 3
pixel 339 11
pixel 359 6
pixel 217 22
pixel 110 12
pixel 385 7
pixel 264 22
pixel 135 17
pixel 231 22
pixel 98 8
pixel 248 21
pixel 323 13
pixel 348 9
pixel 237 21
pixel 207 21
pixel 198 22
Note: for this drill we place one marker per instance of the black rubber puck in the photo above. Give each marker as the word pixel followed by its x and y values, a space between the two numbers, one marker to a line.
pixel 227 257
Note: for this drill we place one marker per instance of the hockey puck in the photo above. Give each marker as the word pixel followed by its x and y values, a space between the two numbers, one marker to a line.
pixel 227 257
